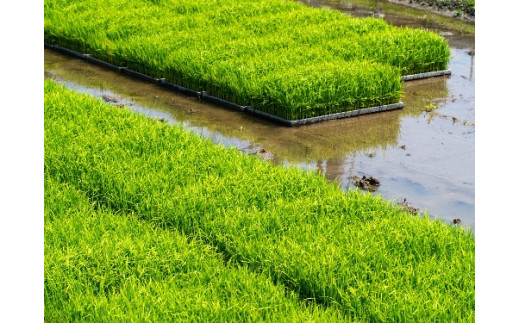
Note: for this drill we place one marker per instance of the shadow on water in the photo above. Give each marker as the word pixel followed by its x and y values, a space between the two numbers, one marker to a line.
pixel 424 152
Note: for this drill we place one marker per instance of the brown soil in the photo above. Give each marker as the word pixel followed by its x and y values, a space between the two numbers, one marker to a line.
pixel 406 206
pixel 369 183
pixel 443 12
pixel 110 98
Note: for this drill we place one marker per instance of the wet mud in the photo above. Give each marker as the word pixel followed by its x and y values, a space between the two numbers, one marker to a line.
pixel 367 183
pixel 408 207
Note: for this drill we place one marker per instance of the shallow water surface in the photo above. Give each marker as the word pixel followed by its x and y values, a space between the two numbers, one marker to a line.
pixel 424 152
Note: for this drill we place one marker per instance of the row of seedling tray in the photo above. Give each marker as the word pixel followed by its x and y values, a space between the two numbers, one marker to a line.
pixel 276 59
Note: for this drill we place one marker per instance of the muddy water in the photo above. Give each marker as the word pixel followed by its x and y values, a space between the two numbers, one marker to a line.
pixel 424 153
pixel 395 14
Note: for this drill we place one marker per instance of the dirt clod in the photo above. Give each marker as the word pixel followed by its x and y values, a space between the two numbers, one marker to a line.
pixel 258 151
pixel 110 98
pixel 264 154
pixel 406 206
pixel 369 183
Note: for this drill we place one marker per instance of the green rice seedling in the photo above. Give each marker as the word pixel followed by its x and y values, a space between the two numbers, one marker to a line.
pixel 351 251
pixel 410 59
pixel 236 49
pixel 101 265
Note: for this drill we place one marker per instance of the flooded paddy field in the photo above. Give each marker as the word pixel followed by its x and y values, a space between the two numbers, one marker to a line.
pixel 423 153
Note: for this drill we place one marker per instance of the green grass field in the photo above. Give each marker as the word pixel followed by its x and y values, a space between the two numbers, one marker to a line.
pixel 353 253
pixel 276 56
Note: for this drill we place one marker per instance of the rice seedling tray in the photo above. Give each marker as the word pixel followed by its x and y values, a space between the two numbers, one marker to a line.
pixel 425 75
pixel 213 99
pixel 276 56
pixel 327 117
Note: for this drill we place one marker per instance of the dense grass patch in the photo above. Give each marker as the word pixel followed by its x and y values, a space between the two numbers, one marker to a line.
pixel 102 266
pixel 277 56
pixel 351 250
